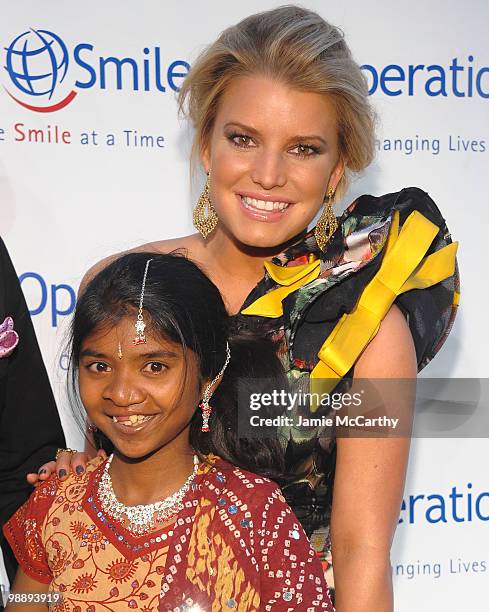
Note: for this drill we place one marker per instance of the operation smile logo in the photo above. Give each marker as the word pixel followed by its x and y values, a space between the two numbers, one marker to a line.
pixel 42 68
pixel 45 74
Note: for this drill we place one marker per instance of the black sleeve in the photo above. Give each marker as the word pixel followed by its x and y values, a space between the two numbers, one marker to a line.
pixel 30 428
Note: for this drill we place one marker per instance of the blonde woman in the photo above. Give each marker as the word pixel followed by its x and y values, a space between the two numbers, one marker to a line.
pixel 282 118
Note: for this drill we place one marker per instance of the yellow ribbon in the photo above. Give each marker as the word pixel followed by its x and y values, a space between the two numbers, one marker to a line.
pixel 403 268
pixel 290 279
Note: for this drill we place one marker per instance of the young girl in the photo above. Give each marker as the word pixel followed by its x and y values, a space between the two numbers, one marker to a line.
pixel 175 518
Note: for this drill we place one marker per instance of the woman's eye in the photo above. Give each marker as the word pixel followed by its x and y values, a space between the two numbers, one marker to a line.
pixel 303 150
pixel 241 140
pixel 98 366
pixel 154 367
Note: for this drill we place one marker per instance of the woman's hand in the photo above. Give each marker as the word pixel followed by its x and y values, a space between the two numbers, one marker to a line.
pixel 76 462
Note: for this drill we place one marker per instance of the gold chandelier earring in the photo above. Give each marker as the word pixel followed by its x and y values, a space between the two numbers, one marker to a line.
pixel 327 223
pixel 205 216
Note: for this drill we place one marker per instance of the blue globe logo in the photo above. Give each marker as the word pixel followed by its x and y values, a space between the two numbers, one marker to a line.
pixel 37 61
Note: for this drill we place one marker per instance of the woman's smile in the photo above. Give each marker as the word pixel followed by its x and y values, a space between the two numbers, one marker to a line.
pixel 262 210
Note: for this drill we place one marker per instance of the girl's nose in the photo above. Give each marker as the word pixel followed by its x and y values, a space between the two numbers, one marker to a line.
pixel 123 390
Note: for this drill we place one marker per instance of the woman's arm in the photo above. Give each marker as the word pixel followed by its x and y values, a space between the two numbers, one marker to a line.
pixel 369 484
pixel 25 585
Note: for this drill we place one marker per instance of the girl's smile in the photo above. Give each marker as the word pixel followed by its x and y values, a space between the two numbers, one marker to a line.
pixel 132 423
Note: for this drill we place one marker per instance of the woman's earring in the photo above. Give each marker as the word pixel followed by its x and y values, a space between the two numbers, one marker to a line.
pixel 92 428
pixel 327 223
pixel 205 216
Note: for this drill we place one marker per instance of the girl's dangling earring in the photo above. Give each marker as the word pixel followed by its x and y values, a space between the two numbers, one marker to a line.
pixel 204 404
pixel 206 409
pixel 327 223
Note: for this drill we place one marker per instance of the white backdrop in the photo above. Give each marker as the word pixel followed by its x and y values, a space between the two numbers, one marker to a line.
pixel 65 205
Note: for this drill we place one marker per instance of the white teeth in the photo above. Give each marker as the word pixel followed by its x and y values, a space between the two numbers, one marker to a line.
pixel 263 205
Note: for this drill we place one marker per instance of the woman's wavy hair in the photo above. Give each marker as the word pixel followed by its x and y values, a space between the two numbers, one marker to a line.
pixel 299 48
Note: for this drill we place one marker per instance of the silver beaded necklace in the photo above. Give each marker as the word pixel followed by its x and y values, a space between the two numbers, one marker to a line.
pixel 142 518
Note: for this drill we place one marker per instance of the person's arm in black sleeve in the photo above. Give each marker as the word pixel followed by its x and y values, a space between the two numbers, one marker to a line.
pixel 30 427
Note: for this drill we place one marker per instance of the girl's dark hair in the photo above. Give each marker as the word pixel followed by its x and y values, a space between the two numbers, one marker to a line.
pixel 182 305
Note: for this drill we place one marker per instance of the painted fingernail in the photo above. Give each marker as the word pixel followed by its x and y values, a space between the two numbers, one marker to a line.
pixel 62 473
pixel 79 469
pixel 42 471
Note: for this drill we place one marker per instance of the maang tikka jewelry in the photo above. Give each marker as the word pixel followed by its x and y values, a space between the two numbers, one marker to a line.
pixel 205 216
pixel 140 325
pixel 119 350
pixel 204 404
pixel 327 223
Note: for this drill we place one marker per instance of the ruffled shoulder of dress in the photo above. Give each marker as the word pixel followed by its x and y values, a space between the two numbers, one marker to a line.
pixel 316 288
pixel 362 230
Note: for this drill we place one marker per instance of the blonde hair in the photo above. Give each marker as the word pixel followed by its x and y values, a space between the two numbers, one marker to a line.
pixel 299 48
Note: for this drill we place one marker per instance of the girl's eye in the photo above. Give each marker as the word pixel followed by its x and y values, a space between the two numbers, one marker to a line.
pixel 241 140
pixel 98 366
pixel 303 150
pixel 154 367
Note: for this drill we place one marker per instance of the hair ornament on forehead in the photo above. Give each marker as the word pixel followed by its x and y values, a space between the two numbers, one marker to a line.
pixel 140 325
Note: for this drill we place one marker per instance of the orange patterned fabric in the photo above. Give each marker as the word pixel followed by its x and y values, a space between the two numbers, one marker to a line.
pixel 235 545
pixel 78 555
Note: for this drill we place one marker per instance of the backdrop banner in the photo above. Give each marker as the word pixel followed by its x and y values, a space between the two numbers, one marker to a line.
pixel 94 159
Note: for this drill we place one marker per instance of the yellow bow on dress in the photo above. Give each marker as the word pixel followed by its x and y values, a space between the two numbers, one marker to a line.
pixel 403 268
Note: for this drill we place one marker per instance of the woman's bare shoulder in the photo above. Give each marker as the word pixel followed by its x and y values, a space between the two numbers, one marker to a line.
pixel 185 245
